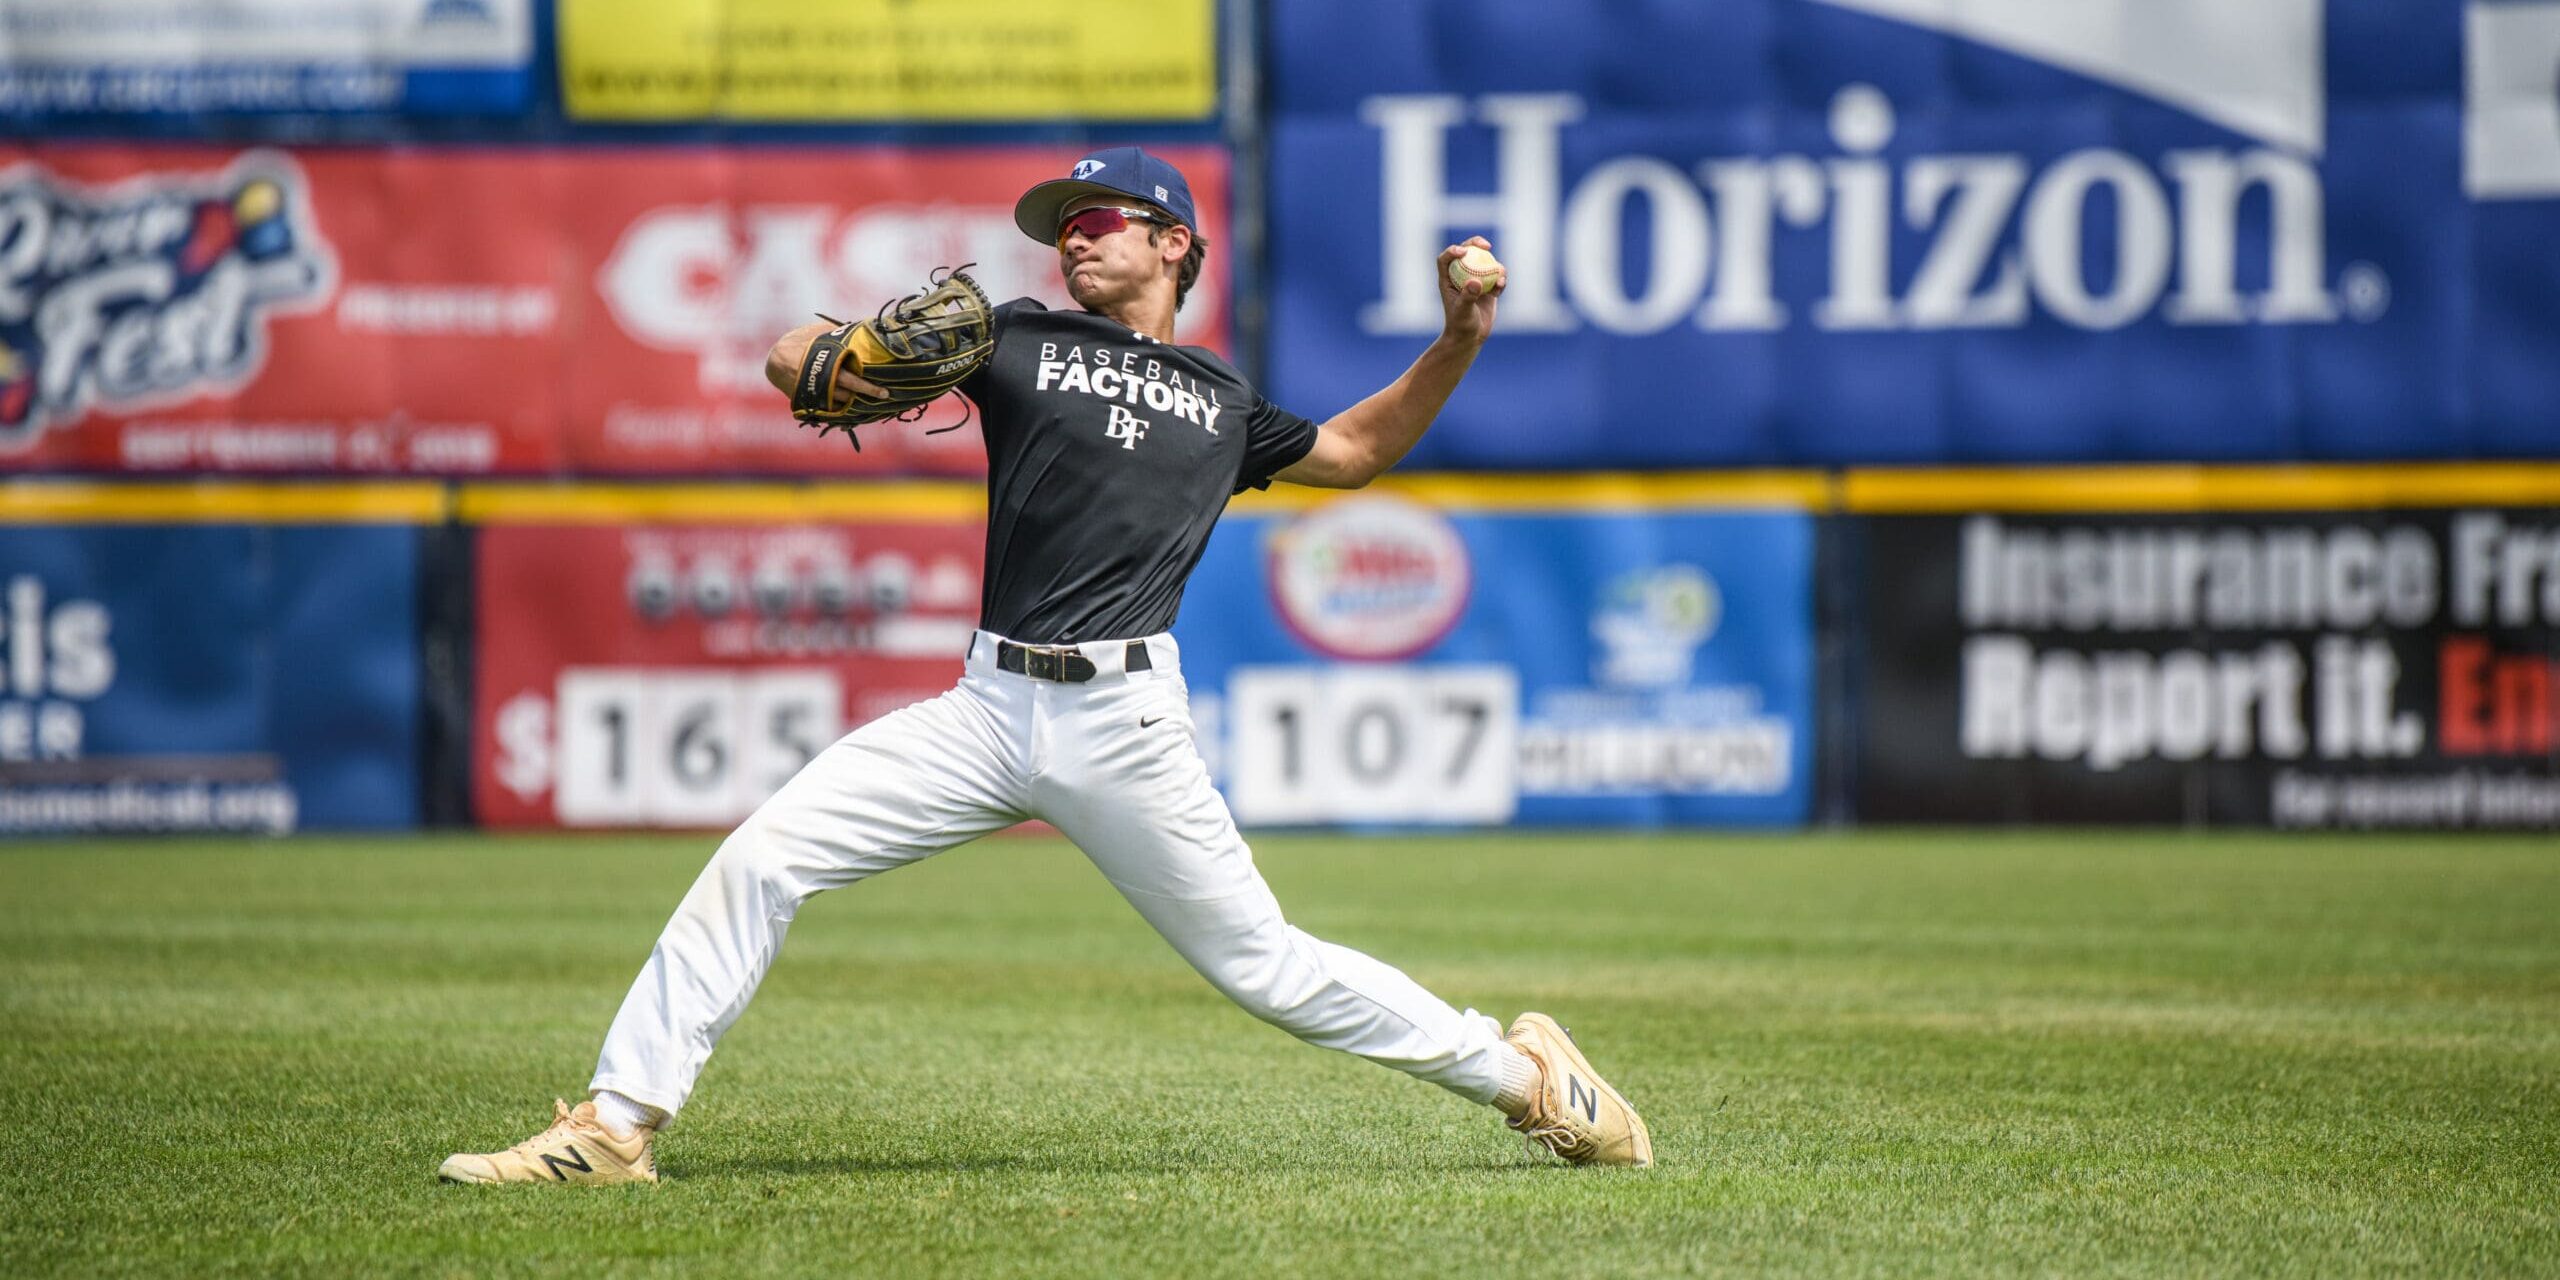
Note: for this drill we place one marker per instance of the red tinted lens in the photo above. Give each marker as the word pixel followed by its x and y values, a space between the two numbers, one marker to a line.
pixel 1093 223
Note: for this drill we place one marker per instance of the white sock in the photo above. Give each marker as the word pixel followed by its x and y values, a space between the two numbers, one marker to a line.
pixel 621 1116
pixel 1519 1082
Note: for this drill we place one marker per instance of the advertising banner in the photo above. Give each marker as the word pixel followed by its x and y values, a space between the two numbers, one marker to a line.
pixel 1896 231
pixel 1376 659
pixel 675 675
pixel 691 263
pixel 167 678
pixel 140 60
pixel 888 61
pixel 197 310
pixel 2309 669
pixel 465 312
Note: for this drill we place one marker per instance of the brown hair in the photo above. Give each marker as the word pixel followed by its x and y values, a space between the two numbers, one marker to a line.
pixel 1188 274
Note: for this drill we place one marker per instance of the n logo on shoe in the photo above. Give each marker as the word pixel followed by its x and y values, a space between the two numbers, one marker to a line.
pixel 1582 1096
pixel 574 1159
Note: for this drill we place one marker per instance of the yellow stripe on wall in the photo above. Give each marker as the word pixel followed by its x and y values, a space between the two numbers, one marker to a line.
pixel 2201 488
pixel 30 501
pixel 743 503
pixel 1872 491
pixel 966 500
pixel 1595 491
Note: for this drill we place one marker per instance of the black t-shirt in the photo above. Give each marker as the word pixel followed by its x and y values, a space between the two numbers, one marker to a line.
pixel 1109 457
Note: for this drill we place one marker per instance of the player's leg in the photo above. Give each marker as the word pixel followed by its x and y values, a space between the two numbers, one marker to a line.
pixel 897 790
pixel 1321 992
pixel 1136 797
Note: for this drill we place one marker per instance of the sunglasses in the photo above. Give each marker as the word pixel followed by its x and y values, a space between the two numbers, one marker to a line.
pixel 1102 220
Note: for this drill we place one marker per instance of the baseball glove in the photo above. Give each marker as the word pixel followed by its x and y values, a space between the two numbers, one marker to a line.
pixel 918 347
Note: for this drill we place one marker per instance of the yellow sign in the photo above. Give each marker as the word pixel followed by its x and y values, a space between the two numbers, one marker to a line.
pixel 888 60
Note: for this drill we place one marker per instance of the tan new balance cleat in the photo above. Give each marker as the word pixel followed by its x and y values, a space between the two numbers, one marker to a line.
pixel 1574 1112
pixel 576 1148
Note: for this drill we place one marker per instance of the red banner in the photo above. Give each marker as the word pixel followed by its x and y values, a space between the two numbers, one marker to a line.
pixel 466 312
pixel 634 675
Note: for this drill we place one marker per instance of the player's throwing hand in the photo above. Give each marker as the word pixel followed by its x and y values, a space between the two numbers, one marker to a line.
pixel 1470 280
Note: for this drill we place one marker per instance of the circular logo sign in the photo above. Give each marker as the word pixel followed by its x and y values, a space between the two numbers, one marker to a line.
pixel 1369 577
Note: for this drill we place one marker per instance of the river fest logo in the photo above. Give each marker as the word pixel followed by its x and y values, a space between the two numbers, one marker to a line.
pixel 146 291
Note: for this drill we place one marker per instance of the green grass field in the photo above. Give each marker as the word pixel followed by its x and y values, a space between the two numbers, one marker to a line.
pixel 1882 1054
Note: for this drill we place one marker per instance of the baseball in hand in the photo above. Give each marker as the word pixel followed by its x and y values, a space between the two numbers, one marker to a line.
pixel 1478 265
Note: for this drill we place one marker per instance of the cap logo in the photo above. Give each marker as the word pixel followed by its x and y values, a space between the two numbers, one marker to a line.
pixel 1085 169
pixel 1161 197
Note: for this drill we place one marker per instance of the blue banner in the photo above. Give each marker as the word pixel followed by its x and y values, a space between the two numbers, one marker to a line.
pixel 151 64
pixel 208 678
pixel 1377 661
pixel 1899 231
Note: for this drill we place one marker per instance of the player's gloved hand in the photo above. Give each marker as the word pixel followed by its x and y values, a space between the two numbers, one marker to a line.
pixel 891 366
pixel 791 351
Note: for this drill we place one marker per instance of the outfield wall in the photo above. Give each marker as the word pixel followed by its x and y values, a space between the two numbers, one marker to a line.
pixel 212 658
pixel 2287 647
pixel 531 253
pixel 553 238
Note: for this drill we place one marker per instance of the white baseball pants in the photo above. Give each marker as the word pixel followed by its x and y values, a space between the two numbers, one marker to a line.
pixel 1110 763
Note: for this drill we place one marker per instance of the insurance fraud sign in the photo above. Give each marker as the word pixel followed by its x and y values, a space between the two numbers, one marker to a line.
pixel 2311 669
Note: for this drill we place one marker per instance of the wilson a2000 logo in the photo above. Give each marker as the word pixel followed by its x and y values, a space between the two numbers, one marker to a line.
pixel 147 291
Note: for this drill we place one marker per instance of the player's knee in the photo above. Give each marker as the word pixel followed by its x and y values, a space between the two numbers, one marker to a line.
pixel 1265 990
pixel 754 858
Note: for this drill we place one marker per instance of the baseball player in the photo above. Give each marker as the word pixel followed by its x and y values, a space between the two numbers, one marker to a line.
pixel 1110 454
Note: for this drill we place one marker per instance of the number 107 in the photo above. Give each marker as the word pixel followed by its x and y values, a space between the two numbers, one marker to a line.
pixel 1375 744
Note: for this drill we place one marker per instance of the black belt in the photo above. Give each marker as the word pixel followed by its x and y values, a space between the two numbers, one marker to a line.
pixel 1063 663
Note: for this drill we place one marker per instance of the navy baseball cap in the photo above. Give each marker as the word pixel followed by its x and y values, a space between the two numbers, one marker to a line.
pixel 1113 171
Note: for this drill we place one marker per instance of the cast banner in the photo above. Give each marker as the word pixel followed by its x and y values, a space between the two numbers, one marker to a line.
pixel 170 61
pixel 675 675
pixel 690 263
pixel 1896 231
pixel 169 678
pixel 1375 660
pixel 471 312
pixel 2311 669
pixel 888 61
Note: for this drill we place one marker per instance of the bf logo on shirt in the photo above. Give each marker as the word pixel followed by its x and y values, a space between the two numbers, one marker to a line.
pixel 1126 427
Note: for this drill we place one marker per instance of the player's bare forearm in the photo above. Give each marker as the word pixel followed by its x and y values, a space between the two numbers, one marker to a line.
pixel 1362 442
pixel 1359 444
